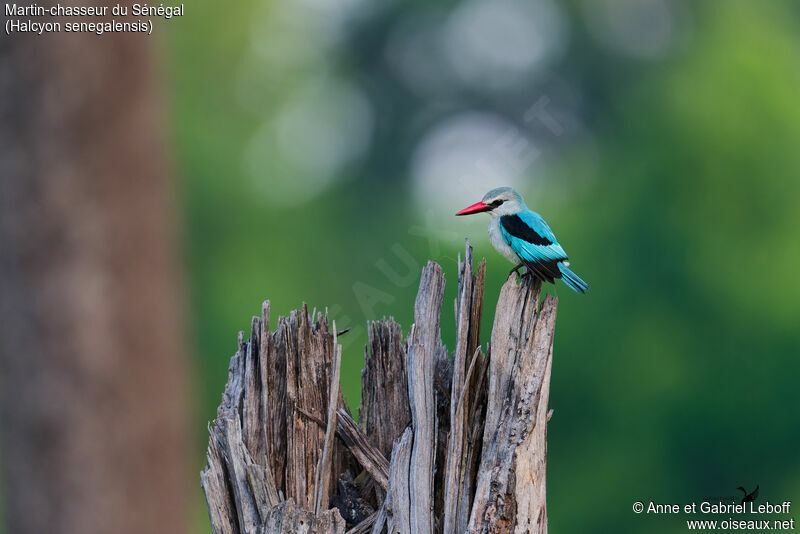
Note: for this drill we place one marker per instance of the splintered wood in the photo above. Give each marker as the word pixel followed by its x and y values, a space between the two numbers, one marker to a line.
pixel 446 443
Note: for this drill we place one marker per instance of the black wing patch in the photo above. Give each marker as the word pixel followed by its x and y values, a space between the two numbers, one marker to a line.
pixel 515 226
pixel 545 270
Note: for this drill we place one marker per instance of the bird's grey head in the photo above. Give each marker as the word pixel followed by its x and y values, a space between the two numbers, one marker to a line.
pixel 497 202
pixel 504 201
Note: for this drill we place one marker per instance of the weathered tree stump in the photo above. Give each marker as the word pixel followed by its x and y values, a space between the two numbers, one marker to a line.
pixel 445 445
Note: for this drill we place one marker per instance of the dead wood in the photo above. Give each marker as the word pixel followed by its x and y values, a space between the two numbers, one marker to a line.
pixel 444 445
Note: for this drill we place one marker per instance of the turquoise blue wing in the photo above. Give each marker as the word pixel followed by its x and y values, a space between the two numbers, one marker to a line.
pixel 533 241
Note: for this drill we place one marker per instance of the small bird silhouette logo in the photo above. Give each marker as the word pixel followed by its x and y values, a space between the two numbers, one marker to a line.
pixel 748 497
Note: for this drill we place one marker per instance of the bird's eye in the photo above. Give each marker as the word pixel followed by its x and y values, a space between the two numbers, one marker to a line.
pixel 496 203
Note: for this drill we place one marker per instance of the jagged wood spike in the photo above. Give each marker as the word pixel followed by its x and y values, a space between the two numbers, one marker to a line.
pixel 324 480
pixel 512 460
pixel 368 456
pixel 424 345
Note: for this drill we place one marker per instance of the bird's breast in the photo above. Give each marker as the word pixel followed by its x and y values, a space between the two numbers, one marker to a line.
pixel 500 245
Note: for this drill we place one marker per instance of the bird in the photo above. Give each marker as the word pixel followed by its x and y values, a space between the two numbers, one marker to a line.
pixel 524 238
pixel 748 497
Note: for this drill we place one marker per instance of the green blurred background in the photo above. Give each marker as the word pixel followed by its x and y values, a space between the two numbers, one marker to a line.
pixel 324 146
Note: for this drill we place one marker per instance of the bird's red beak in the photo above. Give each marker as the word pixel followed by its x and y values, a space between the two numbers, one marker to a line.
pixel 475 208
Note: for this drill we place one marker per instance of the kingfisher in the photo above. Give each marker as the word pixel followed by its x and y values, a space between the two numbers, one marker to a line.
pixel 522 236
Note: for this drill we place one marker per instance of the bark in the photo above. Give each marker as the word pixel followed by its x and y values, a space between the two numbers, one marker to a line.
pixel 458 470
pixel 91 361
pixel 479 435
pixel 359 444
pixel 324 479
pixel 510 493
pixel 424 347
pixel 384 412
pixel 289 519
pixel 291 369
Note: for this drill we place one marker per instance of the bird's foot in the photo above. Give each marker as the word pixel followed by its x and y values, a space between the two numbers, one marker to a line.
pixel 516 270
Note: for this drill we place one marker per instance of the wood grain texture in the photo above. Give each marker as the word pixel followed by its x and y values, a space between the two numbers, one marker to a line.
pixel 307 383
pixel 424 346
pixel 273 352
pixel 219 498
pixel 466 436
pixel 324 480
pixel 364 526
pixel 516 415
pixel 399 501
pixel 287 518
pixel 469 305
pixel 367 455
pixel 261 430
pixel 384 411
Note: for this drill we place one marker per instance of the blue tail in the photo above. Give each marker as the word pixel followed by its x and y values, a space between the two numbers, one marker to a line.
pixel 572 280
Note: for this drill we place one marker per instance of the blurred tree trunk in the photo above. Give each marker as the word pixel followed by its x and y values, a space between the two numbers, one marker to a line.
pixel 92 367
